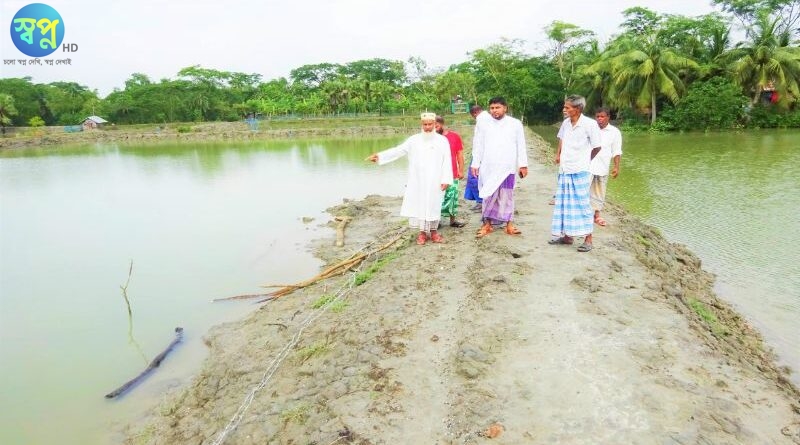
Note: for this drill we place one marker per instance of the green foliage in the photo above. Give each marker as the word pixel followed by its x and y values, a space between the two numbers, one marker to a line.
pixel 323 300
pixel 36 121
pixel 7 110
pixel 26 99
pixel 310 351
pixel 364 276
pixel 767 116
pixel 643 241
pixel 767 59
pixel 708 316
pixel 339 306
pixel 184 129
pixel 710 104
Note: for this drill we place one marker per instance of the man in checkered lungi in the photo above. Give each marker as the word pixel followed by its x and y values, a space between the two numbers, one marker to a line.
pixel 578 143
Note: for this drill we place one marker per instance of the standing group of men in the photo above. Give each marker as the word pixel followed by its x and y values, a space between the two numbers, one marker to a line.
pixel 499 154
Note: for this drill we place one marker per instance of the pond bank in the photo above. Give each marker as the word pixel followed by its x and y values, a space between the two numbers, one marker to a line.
pixel 625 344
pixel 207 131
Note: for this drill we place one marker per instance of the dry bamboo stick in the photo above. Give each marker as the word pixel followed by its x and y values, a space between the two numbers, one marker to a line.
pixel 240 297
pixel 336 269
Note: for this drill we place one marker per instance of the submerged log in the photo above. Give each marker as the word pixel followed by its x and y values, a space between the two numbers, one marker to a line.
pixel 155 363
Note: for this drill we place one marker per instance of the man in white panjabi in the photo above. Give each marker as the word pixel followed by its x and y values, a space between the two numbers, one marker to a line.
pixel 430 172
pixel 499 153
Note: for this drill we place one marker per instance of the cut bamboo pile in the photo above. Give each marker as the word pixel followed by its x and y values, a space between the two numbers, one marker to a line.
pixel 339 268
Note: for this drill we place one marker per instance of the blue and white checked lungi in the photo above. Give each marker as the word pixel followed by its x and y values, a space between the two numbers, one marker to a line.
pixel 573 214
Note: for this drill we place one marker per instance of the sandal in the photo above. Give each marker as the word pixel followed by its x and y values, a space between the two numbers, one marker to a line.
pixel 560 240
pixel 436 238
pixel 421 239
pixel 585 247
pixel 458 224
pixel 600 221
pixel 485 230
pixel 511 230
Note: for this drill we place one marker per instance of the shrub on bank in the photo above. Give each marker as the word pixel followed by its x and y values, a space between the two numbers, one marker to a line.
pixel 713 104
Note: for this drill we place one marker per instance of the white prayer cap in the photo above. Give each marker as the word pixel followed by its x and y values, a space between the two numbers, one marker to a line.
pixel 427 116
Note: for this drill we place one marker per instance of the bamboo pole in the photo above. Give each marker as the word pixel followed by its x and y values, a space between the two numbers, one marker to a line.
pixel 331 271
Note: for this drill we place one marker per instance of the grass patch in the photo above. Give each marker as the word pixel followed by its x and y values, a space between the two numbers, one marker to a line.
pixel 339 306
pixel 644 241
pixel 335 306
pixel 310 351
pixel 364 276
pixel 299 414
pixel 323 300
pixel 708 316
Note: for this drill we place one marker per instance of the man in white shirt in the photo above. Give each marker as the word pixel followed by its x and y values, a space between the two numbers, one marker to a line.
pixel 499 153
pixel 610 149
pixel 578 143
pixel 430 172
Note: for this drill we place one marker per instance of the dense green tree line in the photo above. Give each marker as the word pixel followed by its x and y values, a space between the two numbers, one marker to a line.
pixel 663 71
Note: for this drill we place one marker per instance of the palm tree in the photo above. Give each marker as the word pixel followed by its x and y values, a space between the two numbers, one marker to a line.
pixel 642 71
pixel 768 58
pixel 7 110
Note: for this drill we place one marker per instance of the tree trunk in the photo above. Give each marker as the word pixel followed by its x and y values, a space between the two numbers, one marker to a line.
pixel 653 109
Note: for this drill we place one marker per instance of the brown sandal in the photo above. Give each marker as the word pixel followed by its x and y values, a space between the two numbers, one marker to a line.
pixel 511 230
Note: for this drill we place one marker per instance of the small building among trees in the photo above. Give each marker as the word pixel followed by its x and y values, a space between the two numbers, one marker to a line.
pixel 92 122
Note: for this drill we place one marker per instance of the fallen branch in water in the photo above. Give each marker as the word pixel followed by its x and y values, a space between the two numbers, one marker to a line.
pixel 153 365
pixel 331 271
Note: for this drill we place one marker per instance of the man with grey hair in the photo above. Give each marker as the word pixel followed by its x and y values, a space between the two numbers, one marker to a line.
pixel 578 143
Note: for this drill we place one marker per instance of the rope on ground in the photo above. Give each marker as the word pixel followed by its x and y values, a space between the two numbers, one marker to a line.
pixel 284 352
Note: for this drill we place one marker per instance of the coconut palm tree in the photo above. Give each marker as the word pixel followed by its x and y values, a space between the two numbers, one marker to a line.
pixel 766 59
pixel 642 70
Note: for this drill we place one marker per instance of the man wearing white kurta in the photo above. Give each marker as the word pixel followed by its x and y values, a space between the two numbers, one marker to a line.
pixel 498 154
pixel 430 172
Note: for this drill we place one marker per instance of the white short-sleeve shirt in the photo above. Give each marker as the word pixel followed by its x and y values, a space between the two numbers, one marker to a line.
pixel 577 142
pixel 610 146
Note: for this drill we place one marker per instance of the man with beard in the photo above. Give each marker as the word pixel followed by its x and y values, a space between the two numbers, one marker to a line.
pixel 499 152
pixel 430 172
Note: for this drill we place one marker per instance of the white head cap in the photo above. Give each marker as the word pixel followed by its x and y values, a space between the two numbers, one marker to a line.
pixel 426 116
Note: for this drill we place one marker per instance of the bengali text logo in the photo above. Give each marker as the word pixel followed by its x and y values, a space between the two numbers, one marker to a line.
pixel 37 30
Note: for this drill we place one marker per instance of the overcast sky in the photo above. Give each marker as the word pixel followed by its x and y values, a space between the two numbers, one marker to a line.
pixel 158 38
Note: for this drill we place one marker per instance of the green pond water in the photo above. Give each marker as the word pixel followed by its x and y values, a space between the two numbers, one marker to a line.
pixel 733 199
pixel 198 222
